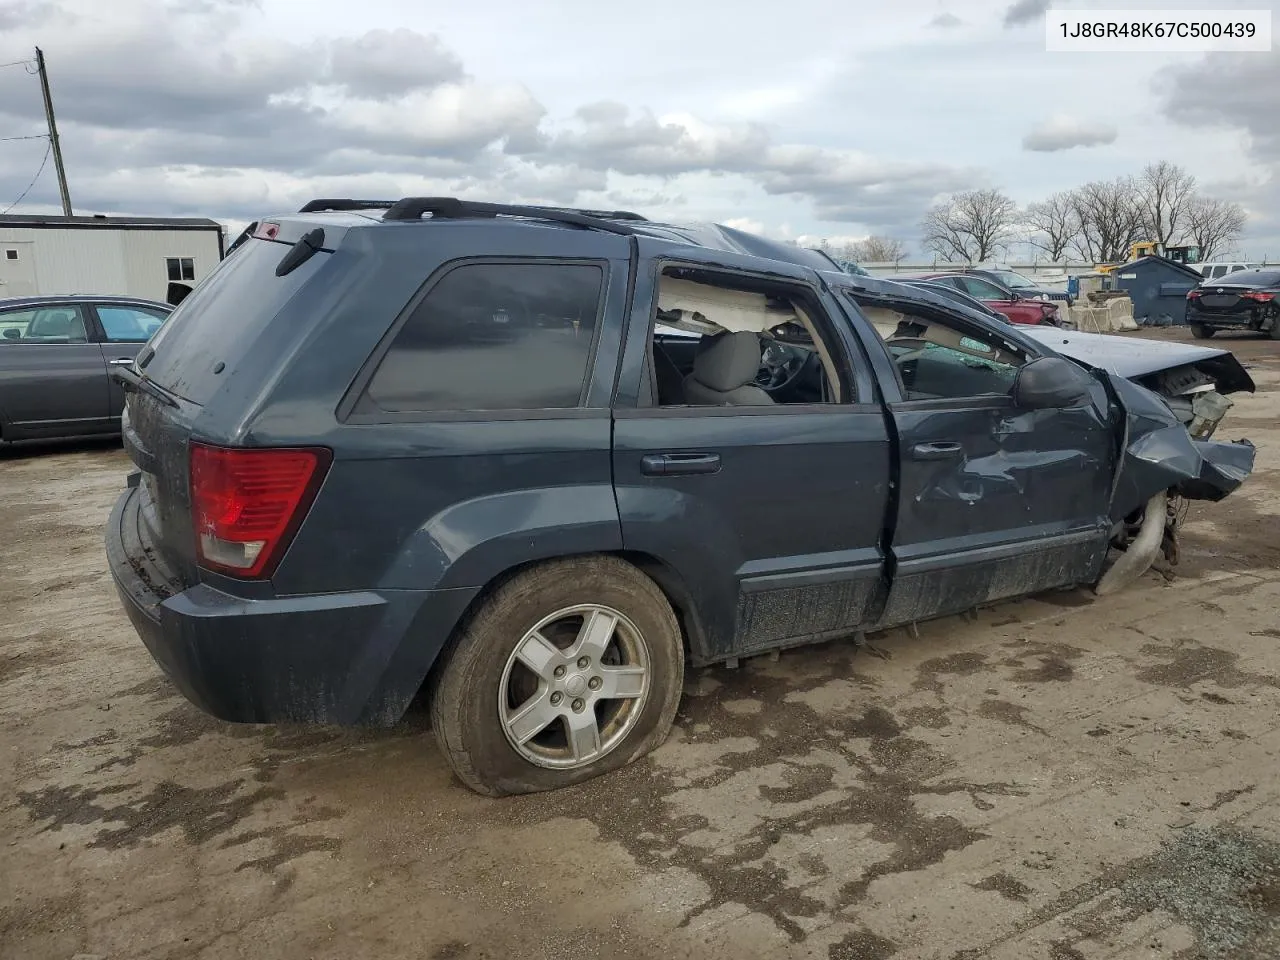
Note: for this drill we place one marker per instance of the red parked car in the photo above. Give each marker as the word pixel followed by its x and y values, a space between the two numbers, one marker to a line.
pixel 997 296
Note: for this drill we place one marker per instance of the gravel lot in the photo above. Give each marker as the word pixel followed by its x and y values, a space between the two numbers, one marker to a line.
pixel 1058 778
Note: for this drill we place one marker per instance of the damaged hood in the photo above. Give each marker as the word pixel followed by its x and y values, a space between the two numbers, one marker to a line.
pixel 1136 359
pixel 1158 454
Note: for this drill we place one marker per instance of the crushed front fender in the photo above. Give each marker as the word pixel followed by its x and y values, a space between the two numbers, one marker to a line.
pixel 1157 453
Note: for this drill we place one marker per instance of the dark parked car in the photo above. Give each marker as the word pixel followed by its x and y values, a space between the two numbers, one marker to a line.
pixel 957 295
pixel 55 353
pixel 1022 286
pixel 349 492
pixel 1017 308
pixel 1243 300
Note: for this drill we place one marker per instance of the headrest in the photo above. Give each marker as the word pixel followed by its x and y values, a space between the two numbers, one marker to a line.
pixel 729 361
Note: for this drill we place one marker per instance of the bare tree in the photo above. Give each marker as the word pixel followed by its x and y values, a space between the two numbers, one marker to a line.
pixel 1110 217
pixel 971 226
pixel 1165 193
pixel 877 249
pixel 1214 225
pixel 1052 225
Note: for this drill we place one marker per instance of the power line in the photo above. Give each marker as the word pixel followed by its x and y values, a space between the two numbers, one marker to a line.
pixel 22 196
pixel 34 136
pixel 18 63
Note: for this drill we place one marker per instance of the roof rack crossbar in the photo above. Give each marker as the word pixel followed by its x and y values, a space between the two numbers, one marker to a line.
pixel 314 206
pixel 450 208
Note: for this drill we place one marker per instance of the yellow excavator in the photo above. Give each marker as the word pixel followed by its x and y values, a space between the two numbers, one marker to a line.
pixel 1154 248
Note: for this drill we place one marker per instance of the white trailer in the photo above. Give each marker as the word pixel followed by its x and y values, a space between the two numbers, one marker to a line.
pixel 130 256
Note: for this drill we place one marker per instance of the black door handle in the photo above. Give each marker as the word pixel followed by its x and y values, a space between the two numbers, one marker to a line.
pixel 678 464
pixel 938 450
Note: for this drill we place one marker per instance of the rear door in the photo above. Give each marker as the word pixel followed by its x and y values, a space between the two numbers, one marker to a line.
pixel 52 379
pixel 993 501
pixel 769 514
pixel 122 329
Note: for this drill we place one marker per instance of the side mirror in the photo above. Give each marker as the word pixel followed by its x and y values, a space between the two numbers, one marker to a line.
pixel 1051 383
pixel 176 293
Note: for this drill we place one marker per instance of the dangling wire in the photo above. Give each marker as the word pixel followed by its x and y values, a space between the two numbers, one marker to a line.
pixel 22 196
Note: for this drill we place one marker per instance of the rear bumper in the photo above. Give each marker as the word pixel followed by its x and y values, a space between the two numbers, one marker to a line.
pixel 1248 319
pixel 339 658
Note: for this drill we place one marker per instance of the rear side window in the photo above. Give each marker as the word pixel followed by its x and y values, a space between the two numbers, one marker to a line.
pixel 493 336
pixel 58 324
pixel 220 321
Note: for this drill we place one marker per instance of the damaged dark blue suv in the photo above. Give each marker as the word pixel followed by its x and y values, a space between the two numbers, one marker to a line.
pixel 529 461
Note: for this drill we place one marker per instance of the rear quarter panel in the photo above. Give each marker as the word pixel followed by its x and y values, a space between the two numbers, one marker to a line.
pixel 451 499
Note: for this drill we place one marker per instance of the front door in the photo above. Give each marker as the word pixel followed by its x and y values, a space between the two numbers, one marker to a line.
pixel 52 378
pixel 760 482
pixel 1000 299
pixel 995 501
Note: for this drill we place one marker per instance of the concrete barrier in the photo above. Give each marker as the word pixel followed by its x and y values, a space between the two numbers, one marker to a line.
pixel 1112 316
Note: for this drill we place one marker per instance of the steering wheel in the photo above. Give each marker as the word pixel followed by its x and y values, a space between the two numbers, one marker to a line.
pixel 779 368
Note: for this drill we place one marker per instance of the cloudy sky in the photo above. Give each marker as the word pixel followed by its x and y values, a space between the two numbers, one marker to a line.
pixel 811 118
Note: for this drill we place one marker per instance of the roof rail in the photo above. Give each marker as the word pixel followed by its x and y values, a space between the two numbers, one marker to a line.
pixel 450 208
pixel 314 206
pixel 600 214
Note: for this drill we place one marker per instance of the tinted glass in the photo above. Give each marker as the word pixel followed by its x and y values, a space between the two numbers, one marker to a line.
pixel 222 317
pixel 60 324
pixel 494 337
pixel 127 324
pixel 977 287
pixel 13 324
pixel 1013 280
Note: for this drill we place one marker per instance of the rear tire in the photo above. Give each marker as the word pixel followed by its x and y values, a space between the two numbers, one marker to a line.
pixel 1275 327
pixel 608 655
pixel 1201 332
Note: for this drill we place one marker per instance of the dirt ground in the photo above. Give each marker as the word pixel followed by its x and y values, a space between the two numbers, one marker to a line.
pixel 1057 779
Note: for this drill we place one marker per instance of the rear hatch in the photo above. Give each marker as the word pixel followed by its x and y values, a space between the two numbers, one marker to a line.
pixel 185 371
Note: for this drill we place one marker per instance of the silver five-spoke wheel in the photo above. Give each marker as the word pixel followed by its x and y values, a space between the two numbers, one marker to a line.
pixel 574 686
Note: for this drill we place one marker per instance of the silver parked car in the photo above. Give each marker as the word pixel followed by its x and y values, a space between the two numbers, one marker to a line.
pixel 55 354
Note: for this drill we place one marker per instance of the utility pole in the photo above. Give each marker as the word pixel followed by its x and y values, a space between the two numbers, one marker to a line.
pixel 53 135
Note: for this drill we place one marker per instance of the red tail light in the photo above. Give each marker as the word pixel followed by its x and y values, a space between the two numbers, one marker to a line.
pixel 1261 297
pixel 1193 294
pixel 246 504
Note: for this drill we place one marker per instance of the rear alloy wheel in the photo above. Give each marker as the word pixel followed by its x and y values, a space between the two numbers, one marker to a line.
pixel 1201 332
pixel 569 670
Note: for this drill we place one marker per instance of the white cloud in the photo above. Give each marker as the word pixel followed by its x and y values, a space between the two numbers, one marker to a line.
pixel 746 225
pixel 1063 132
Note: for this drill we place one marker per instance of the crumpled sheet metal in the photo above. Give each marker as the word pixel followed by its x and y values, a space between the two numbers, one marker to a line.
pixel 1159 455
pixel 999 473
